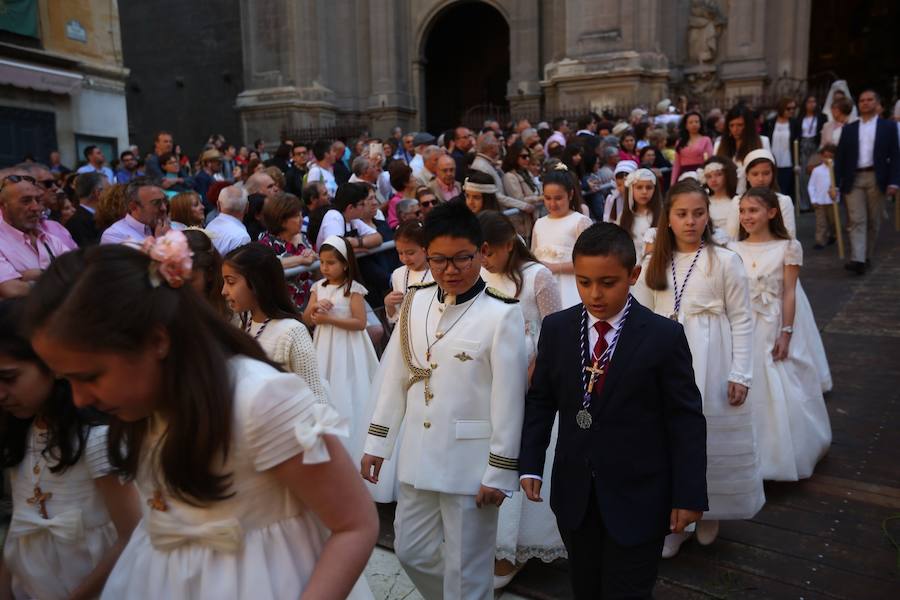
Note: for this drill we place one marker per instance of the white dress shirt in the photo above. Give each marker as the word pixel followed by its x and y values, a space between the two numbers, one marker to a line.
pixel 228 233
pixel 866 157
pixel 333 224
pixel 126 230
pixel 781 144
pixel 593 336
pixel 809 127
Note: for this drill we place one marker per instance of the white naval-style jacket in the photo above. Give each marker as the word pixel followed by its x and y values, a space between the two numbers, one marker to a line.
pixel 469 432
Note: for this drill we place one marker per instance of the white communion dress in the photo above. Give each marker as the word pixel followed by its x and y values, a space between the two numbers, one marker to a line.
pixel 715 312
pixel 261 543
pixel 791 419
pixel 528 529
pixel 803 318
pixel 287 342
pixel 49 558
pixel 552 241
pixel 348 362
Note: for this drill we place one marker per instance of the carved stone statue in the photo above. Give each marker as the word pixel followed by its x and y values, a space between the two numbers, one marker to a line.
pixel 705 25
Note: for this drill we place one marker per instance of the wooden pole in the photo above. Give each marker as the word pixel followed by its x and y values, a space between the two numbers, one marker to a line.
pixel 797 166
pixel 838 230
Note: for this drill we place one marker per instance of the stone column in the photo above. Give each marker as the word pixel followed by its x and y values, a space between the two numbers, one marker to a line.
pixel 744 68
pixel 524 90
pixel 390 101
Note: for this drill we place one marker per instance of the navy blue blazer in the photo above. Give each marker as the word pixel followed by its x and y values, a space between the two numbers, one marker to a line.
pixel 645 452
pixel 886 155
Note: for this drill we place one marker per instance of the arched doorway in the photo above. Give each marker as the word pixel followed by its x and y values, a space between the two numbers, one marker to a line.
pixel 466 56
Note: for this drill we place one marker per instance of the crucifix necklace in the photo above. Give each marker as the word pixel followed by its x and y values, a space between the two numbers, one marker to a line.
pixel 679 294
pixel 595 366
pixel 40 497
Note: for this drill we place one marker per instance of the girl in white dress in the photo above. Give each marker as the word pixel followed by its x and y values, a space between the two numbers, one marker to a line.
pixel 247 493
pixel 525 529
pixel 720 178
pixel 761 173
pixel 791 419
pixel 554 235
pixel 409 242
pixel 642 207
pixel 71 515
pixel 337 309
pixel 255 289
pixel 704 287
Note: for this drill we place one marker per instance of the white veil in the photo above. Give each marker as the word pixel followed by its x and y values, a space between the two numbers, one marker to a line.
pixel 841 85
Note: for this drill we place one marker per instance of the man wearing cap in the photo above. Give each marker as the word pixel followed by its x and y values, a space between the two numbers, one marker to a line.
pixel 421 141
pixel 615 202
pixel 210 170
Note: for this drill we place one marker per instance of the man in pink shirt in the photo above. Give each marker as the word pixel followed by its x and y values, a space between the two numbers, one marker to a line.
pixel 52 198
pixel 444 185
pixel 25 249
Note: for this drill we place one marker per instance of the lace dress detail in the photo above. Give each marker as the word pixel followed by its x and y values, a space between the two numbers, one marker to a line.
pixel 288 343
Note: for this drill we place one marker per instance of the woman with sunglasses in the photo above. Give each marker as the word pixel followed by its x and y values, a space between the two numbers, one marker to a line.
pixel 517 179
pixel 783 130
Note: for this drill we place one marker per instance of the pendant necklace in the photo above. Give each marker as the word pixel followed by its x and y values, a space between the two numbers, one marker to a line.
pixel 438 335
pixel 406 281
pixel 595 366
pixel 40 497
pixel 680 293
pixel 261 329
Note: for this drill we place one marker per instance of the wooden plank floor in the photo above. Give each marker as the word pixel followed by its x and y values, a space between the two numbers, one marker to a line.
pixel 821 538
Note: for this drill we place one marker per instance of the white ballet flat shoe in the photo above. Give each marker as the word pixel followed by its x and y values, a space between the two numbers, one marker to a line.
pixel 501 581
pixel 673 544
pixel 707 532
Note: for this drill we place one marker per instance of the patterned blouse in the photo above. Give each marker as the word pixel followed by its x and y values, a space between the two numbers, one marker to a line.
pixel 300 284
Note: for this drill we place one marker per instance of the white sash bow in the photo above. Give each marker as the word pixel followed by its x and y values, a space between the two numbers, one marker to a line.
pixel 65 526
pixel 168 533
pixel 326 420
pixel 711 306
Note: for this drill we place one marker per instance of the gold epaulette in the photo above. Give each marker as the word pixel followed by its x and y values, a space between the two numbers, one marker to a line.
pixel 421 285
pixel 495 293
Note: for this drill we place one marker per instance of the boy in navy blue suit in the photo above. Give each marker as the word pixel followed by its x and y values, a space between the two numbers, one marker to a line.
pixel 630 461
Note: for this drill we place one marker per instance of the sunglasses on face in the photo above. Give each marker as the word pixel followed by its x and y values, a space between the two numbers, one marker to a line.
pixel 427 204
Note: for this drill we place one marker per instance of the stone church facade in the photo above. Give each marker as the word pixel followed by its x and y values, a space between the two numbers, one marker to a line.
pixel 316 63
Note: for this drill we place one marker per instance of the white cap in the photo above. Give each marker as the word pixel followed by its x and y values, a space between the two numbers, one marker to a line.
pixel 758 154
pixel 625 166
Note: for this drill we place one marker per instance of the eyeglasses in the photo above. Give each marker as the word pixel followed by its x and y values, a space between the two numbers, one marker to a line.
pixel 48 183
pixel 461 262
pixel 18 179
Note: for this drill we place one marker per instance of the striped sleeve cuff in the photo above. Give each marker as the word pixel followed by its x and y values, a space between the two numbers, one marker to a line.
pixel 378 430
pixel 501 462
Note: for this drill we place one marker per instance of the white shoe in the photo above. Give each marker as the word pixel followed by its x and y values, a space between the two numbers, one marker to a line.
pixel 501 581
pixel 707 531
pixel 673 544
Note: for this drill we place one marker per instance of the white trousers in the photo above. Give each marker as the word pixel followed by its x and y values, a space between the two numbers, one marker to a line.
pixel 446 544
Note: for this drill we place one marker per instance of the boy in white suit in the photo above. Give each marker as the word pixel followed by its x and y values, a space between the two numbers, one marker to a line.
pixel 456 371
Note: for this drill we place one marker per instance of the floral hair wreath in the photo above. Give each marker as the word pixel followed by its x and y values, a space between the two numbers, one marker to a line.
pixel 560 166
pixel 170 259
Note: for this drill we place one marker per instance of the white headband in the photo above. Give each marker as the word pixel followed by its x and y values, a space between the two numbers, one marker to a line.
pixel 713 167
pixel 640 175
pixel 481 188
pixel 338 243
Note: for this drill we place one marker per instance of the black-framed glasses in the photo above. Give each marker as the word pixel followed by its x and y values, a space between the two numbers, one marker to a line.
pixel 18 179
pixel 461 262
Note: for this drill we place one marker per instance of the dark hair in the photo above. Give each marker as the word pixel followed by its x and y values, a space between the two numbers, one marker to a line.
pixel 71 302
pixel 606 239
pixel 770 200
pixel 829 148
pixel 400 174
pixel 872 91
pixel 159 134
pixel 88 150
pixel 567 181
pixel 773 185
pixel 67 427
pixel 627 219
pixel 452 219
pixel 259 265
pixel 320 148
pixel 657 276
pixel 568 157
pixel 782 105
pixel 497 229
pixel 844 105
pixel 488 201
pixel 208 260
pixel 731 178
pixel 511 160
pixel 349 194
pixel 310 191
pixel 125 153
pixel 278 208
pixel 750 140
pixel 411 231
pixel 684 138
pixel 87 183
pixel 645 150
pixel 353 273
pixel 558 122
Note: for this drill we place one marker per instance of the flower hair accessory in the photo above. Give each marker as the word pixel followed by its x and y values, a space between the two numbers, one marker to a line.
pixel 640 175
pixel 560 166
pixel 170 259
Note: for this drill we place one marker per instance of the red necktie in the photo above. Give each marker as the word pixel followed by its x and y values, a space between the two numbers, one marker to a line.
pixel 602 328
